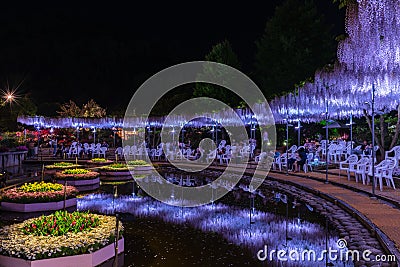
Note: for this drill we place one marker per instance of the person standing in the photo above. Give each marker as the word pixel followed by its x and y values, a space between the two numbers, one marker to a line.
pixel 54 146
pixel 31 148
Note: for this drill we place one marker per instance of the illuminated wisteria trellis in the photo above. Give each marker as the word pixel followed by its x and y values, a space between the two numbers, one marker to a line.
pixel 258 113
pixel 370 55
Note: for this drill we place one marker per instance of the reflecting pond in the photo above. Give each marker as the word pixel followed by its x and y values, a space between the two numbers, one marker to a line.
pixel 230 231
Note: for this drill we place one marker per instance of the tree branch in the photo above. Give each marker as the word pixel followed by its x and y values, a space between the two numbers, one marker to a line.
pixel 397 132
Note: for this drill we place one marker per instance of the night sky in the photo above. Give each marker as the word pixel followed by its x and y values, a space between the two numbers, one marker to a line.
pixel 105 51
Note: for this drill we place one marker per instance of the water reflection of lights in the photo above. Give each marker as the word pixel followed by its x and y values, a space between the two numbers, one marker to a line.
pixel 231 222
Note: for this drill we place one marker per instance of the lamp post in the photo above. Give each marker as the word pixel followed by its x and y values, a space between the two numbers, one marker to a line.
pixel 373 139
pixel 173 135
pixel 298 117
pixel 114 131
pixel 326 143
pixel 351 130
pixel 94 134
pixel 298 128
pixel 252 135
pixel 116 249
pixel 77 133
pixel 287 145
pixel 134 136
pixel 216 133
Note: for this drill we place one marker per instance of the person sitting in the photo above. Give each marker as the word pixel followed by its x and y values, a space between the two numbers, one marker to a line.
pixel 104 144
pixel 291 161
pixel 301 159
pixel 361 150
pixel 364 145
pixel 60 150
pixel 368 150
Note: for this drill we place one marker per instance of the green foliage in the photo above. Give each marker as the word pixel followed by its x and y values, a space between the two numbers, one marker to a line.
pixel 62 222
pixel 220 53
pixel 344 3
pixel 116 166
pixel 8 142
pixel 296 42
pixel 138 163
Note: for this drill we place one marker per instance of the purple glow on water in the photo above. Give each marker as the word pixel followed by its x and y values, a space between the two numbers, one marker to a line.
pixel 231 222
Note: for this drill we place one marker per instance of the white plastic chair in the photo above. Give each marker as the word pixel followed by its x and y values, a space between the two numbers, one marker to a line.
pixel 126 151
pixel 158 153
pixel 283 160
pixel 222 144
pixel 388 174
pixel 332 153
pixel 310 157
pixel 227 156
pixel 102 151
pixel 132 151
pixel 179 155
pixel 378 171
pixel 140 152
pixel 211 156
pixel 345 165
pixel 260 157
pixel 277 163
pixel 361 169
pixel 292 150
pixel 394 154
pixel 119 152
pixel 76 151
pixel 339 151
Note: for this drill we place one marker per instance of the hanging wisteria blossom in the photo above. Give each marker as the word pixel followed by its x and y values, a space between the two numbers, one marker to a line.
pixel 368 56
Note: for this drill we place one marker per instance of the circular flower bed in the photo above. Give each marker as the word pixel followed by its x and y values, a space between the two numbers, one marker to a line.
pixel 118 171
pixel 38 192
pixel 99 161
pixel 76 174
pixel 62 166
pixel 57 235
pixel 138 163
pixel 140 176
pixel 115 167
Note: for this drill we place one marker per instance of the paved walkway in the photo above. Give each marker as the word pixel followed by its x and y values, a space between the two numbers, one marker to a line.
pixel 384 215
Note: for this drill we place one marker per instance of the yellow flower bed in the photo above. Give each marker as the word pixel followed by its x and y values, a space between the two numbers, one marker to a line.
pixel 15 243
pixel 41 187
pixel 62 165
pixel 100 160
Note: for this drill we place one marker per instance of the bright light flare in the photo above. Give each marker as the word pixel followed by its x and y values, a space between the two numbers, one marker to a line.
pixel 9 96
